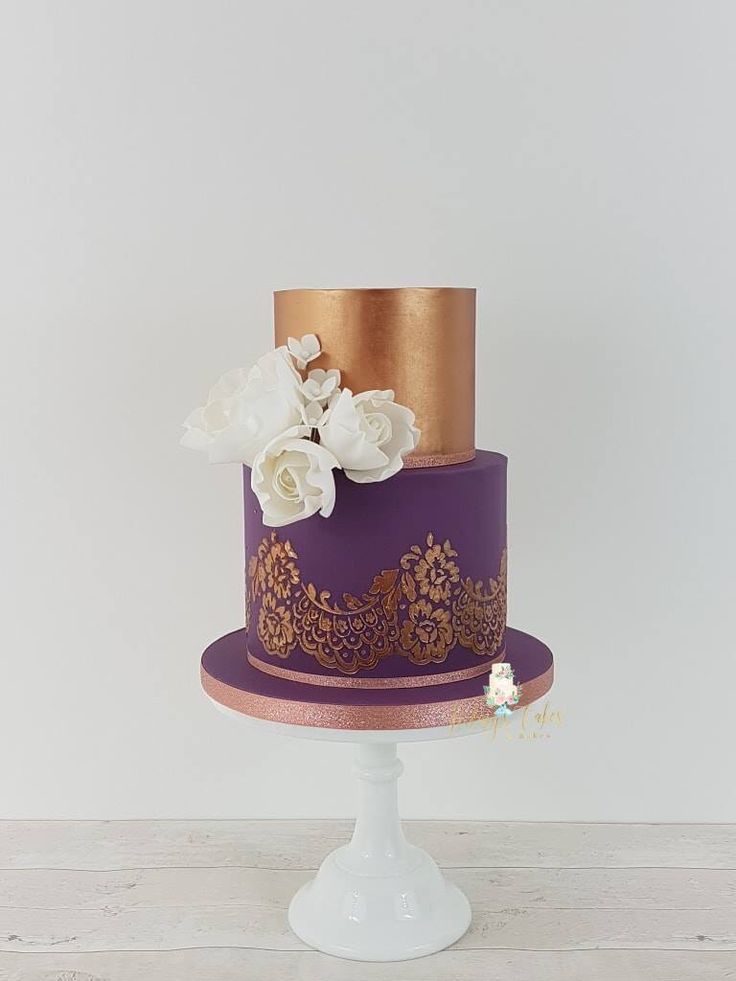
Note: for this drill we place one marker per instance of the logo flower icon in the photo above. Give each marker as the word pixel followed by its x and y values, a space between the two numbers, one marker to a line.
pixel 501 692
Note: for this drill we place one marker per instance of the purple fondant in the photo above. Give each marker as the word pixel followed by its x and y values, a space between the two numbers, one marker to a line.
pixel 373 525
pixel 225 661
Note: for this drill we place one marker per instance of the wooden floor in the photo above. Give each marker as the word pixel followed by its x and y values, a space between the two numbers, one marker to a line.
pixel 206 901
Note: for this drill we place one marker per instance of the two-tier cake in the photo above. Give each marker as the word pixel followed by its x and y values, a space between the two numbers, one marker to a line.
pixel 375 531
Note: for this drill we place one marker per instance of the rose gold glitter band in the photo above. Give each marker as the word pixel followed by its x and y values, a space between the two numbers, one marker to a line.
pixel 332 716
pixel 438 460
pixel 338 681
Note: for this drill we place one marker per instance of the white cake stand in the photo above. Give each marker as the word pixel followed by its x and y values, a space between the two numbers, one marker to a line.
pixel 377 898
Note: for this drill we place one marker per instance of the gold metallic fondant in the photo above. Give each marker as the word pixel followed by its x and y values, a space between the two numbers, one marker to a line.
pixel 420 342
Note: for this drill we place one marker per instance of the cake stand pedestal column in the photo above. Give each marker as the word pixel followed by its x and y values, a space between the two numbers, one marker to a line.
pixel 378 898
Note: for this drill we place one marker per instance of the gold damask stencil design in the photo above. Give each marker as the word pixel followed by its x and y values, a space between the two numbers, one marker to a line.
pixel 352 637
pixel 420 610
pixel 479 615
pixel 275 627
pixel 430 571
pixel 426 635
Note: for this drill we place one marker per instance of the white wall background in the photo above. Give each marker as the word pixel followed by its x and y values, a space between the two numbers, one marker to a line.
pixel 164 166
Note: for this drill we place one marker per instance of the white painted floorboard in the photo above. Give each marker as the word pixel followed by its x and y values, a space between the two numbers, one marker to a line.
pixel 175 900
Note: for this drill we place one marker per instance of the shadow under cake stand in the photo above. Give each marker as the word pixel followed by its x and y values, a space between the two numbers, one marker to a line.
pixel 376 898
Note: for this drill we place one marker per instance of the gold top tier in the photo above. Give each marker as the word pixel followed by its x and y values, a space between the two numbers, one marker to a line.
pixel 418 341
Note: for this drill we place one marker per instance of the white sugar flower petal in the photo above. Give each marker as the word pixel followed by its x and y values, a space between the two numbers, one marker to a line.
pixel 231 382
pixel 246 409
pixel 369 434
pixel 292 478
pixel 312 414
pixel 320 385
pixel 305 350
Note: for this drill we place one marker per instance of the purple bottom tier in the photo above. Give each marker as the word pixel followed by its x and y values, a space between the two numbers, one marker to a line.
pixel 231 680
pixel 406 578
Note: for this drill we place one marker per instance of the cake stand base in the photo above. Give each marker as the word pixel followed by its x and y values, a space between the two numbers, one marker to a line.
pixel 379 898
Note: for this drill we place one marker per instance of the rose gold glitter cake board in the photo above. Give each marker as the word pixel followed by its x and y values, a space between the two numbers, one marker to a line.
pixel 229 678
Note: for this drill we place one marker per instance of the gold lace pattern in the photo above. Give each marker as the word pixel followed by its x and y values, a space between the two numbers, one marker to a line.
pixel 422 609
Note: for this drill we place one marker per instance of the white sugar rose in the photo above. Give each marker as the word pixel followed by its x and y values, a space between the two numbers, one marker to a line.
pixel 369 434
pixel 292 479
pixel 246 409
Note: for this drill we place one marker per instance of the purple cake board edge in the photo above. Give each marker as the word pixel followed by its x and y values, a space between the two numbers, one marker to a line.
pixel 226 672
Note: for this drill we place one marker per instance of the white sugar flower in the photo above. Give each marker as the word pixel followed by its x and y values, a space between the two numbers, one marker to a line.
pixel 321 385
pixel 369 434
pixel 292 478
pixel 305 350
pixel 246 409
pixel 312 414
